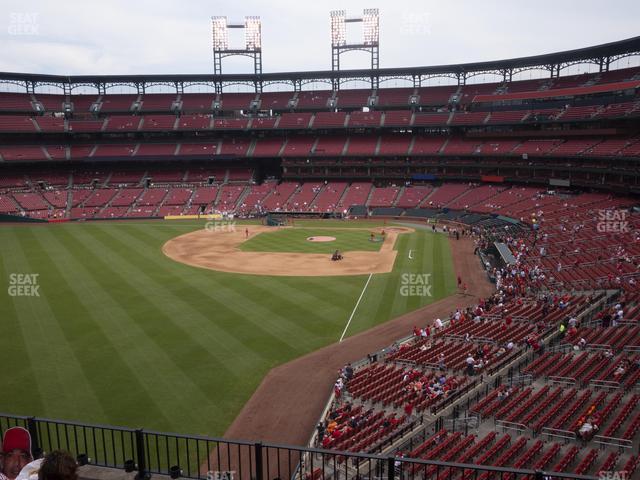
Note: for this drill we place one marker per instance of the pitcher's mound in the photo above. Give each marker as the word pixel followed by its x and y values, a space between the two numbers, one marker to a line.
pixel 321 239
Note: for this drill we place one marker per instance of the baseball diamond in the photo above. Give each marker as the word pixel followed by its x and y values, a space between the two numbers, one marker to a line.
pixel 373 272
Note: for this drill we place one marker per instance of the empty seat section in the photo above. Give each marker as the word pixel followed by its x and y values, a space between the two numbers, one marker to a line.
pixel 275 100
pixel 446 194
pixel 51 103
pixel 436 96
pixel 235 147
pixel 197 102
pixel 294 120
pixel 15 102
pixel 462 146
pixel 469 118
pixel 397 118
pixel 264 122
pixel 16 154
pixel 253 202
pixel 268 147
pixel 329 145
pixel 313 99
pixel 16 123
pixel 329 120
pixel 353 98
pixel 194 121
pixel 427 145
pixel 122 123
pixel 413 196
pixel 327 200
pixel 365 119
pixel 158 102
pixel 86 125
pixel 236 101
pixel 114 150
pixel 394 144
pixel 356 195
pixel 50 123
pixel 117 103
pixel 156 149
pixel 298 146
pixel 362 145
pixel 79 152
pixel 280 196
pixel 394 97
pixel 208 149
pixel 158 122
pixel 430 119
pixel 57 152
pixel 230 123
pixel 301 200
pixel 152 197
pixel 383 196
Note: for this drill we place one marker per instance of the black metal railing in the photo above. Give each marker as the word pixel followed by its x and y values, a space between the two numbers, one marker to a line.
pixel 199 457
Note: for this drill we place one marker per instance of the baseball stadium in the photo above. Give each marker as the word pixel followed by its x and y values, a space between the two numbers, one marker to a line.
pixel 425 272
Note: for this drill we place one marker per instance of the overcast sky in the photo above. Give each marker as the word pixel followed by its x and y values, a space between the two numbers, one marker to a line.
pixel 174 36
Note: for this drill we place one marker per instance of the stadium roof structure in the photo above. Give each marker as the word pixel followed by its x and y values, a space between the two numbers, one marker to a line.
pixel 601 55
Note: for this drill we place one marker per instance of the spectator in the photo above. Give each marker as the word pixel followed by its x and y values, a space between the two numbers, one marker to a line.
pixel 320 433
pixel 470 364
pixel 58 465
pixel 587 430
pixel 332 426
pixel 441 364
pixel 337 388
pixel 348 371
pixel 619 372
pixel 16 451
pixel 562 330
pixel 408 409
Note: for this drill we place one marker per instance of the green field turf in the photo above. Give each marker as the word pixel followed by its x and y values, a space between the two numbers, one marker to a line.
pixel 295 240
pixel 122 335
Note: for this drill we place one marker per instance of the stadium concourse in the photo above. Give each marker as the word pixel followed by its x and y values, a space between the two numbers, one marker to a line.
pixel 539 371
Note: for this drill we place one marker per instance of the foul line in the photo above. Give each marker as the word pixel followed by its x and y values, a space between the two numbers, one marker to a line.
pixel 355 308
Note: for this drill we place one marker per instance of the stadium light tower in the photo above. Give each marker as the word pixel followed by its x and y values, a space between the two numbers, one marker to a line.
pixel 252 42
pixel 371 36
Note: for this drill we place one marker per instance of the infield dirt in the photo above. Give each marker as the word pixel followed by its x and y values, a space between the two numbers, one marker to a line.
pixel 219 251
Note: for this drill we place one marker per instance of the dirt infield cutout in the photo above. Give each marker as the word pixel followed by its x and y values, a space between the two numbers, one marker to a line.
pixel 219 251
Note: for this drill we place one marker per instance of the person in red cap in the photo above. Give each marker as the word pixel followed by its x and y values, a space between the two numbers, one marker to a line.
pixel 16 451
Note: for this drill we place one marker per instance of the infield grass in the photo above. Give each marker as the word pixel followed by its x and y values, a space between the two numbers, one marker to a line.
pixel 122 335
pixel 296 240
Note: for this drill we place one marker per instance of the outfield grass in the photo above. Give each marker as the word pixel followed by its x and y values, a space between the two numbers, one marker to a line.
pixel 295 240
pixel 122 335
